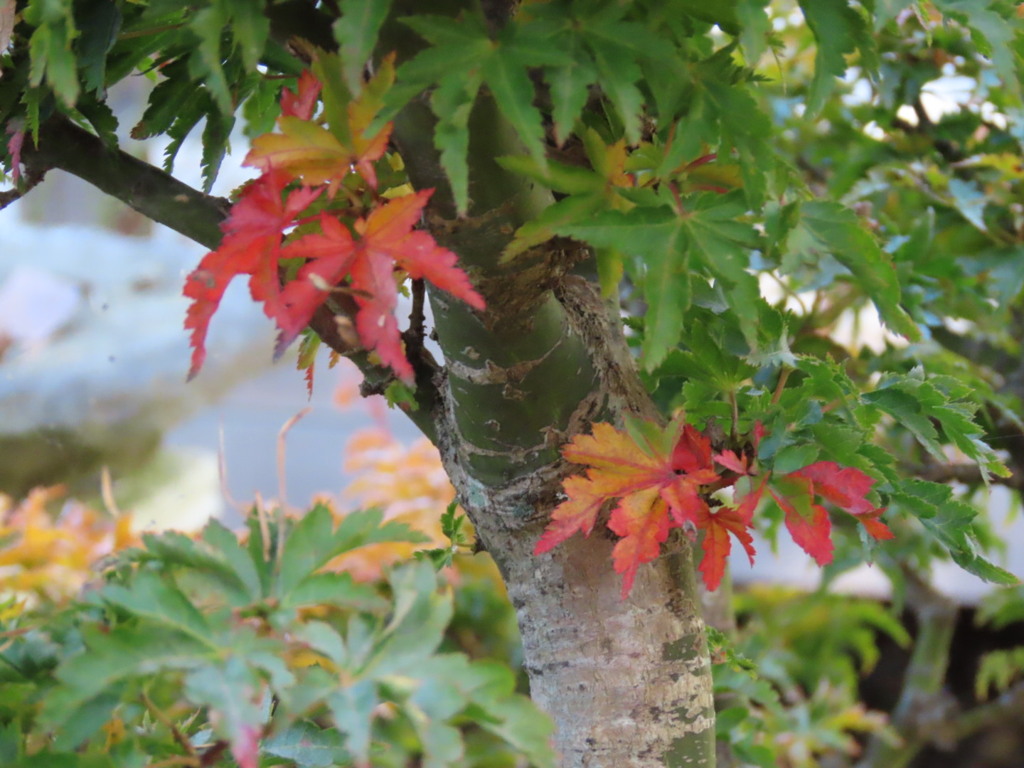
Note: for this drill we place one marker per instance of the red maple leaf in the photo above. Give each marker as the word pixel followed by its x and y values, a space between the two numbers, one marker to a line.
pixel 387 241
pixel 251 246
pixel 847 488
pixel 302 102
pixel 808 522
pixel 738 464
pixel 657 479
pixel 14 146
pixel 333 259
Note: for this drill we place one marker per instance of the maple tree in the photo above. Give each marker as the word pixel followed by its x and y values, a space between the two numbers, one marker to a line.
pixel 642 230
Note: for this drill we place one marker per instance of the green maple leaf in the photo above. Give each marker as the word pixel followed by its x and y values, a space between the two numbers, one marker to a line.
pixel 839 30
pixel 462 58
pixel 706 240
pixel 830 229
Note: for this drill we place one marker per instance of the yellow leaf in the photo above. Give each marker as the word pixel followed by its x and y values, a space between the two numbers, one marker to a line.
pixel 304 150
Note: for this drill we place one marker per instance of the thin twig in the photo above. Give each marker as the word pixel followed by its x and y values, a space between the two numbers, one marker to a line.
pixel 780 385
pixel 222 471
pixel 1006 707
pixel 261 517
pixel 282 507
pixel 178 736
pixel 107 493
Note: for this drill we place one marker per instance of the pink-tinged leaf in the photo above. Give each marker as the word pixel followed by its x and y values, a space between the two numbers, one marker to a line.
pixel 245 746
pixel 643 523
pixel 578 513
pixel 808 523
pixel 14 146
pixel 302 102
pixel 716 545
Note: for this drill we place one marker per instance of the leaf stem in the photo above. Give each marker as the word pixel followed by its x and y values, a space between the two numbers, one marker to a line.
pixel 781 385
pixel 735 414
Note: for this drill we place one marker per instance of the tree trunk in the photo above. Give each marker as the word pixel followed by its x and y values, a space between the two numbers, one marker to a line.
pixel 627 681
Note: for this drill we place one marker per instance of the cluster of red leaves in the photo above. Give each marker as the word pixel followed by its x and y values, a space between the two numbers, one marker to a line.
pixel 358 250
pixel 661 479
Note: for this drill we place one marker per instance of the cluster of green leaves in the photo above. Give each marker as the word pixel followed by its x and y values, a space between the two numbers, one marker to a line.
pixel 999 669
pixel 787 684
pixel 221 651
pixel 205 59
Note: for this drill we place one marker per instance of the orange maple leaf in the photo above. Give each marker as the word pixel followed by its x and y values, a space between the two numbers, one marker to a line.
pixel 325 155
pixel 661 479
pixel 386 241
pixel 657 478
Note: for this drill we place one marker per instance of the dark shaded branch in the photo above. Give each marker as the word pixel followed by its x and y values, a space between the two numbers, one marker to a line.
pixel 1004 709
pixel 23 188
pixel 150 191
pixel 968 474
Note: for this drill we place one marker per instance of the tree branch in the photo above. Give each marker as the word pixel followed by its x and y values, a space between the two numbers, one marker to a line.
pixel 925 713
pixel 1006 708
pixel 968 474
pixel 145 188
